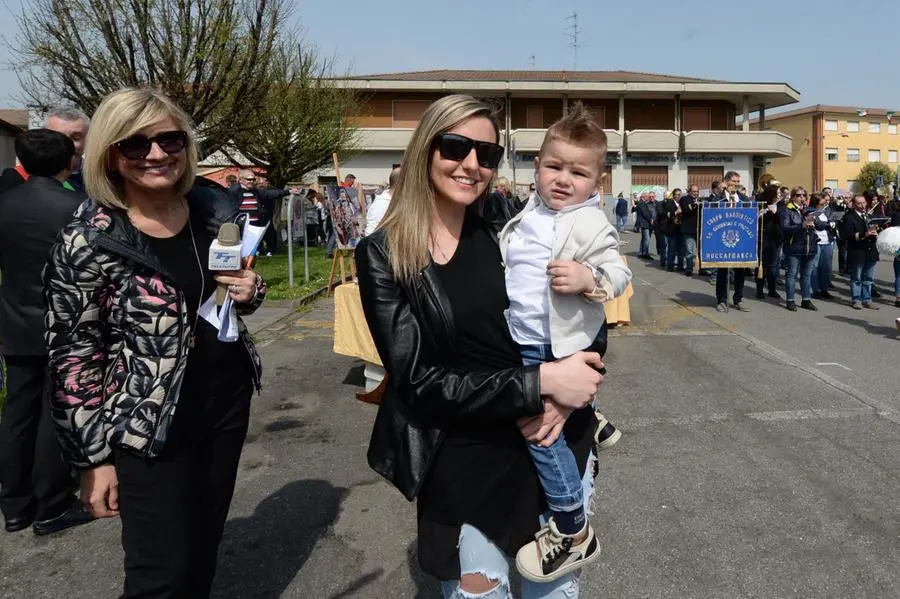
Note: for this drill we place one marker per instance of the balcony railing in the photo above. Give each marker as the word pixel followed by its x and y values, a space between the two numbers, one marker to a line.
pixel 652 140
pixel 764 143
pixel 384 139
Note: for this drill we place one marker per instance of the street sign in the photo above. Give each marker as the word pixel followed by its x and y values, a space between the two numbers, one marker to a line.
pixel 879 181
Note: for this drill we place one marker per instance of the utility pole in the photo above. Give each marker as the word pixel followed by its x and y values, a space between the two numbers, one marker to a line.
pixel 531 61
pixel 572 32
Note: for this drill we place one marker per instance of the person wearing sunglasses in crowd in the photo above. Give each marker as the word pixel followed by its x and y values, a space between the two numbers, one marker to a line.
pixel 458 401
pixel 149 406
pixel 801 246
pixel 259 205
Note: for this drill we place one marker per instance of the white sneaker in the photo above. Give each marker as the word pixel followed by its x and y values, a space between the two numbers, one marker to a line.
pixel 552 554
pixel 607 435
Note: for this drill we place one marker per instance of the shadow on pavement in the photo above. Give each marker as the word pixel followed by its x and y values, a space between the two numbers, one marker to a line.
pixel 889 332
pixel 698 300
pixel 262 554
pixel 356 376
pixel 426 586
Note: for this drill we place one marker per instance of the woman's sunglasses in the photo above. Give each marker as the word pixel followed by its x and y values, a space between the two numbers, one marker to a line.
pixel 456 147
pixel 137 147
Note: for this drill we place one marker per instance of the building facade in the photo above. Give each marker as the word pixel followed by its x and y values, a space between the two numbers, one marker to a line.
pixel 663 131
pixel 832 144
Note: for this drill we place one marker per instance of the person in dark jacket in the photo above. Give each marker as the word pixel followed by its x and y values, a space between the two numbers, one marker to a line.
pixel 31 217
pixel 149 404
pixel 674 238
pixel 862 255
pixel 690 208
pixel 772 240
pixel 458 404
pixel 660 226
pixel 801 246
pixel 826 232
pixel 644 221
pixel 621 213
pixel 731 194
pixel 259 205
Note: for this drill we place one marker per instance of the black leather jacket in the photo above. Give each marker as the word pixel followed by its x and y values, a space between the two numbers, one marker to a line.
pixel 412 326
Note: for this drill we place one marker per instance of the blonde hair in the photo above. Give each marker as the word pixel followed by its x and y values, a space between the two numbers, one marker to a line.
pixel 502 182
pixel 581 127
pixel 407 223
pixel 121 115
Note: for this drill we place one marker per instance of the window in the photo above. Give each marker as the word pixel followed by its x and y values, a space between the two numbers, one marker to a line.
pixel 892 129
pixel 874 156
pixel 852 154
pixel 852 126
pixel 534 116
pixel 408 113
pixel 874 127
pixel 830 125
pixel 892 156
pixel 696 119
pixel 832 183
pixel 831 154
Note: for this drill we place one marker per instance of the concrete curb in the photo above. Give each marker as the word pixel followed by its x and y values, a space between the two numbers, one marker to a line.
pixel 296 304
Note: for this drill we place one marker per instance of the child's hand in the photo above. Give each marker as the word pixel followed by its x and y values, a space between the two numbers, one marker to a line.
pixel 570 277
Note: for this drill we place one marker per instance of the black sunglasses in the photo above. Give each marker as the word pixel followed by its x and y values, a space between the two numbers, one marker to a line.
pixel 137 147
pixel 456 147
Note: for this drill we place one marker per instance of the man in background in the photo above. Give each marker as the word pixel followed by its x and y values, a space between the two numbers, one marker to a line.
pixel 259 205
pixel 72 123
pixel 35 483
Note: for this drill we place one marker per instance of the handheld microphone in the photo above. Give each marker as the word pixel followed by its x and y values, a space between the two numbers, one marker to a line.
pixel 225 254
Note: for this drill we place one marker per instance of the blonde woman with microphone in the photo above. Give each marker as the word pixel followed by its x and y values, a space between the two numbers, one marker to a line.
pixel 149 406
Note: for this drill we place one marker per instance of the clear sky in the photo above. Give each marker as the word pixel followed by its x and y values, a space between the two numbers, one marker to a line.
pixel 832 51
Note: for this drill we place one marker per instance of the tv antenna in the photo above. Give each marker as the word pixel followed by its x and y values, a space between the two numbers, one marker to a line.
pixel 572 32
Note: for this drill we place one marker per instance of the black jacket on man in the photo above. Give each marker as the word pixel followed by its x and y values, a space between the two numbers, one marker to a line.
pixel 645 214
pixel 860 247
pixel 31 216
pixel 690 211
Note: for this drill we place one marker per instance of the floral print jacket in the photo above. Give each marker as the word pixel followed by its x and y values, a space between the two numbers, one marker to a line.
pixel 118 332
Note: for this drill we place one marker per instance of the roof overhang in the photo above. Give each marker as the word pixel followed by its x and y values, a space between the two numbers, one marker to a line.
pixel 768 95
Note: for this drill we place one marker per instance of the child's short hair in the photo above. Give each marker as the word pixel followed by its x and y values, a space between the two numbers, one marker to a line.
pixel 581 127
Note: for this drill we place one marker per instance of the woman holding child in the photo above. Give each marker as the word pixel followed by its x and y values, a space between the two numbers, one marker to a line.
pixel 460 405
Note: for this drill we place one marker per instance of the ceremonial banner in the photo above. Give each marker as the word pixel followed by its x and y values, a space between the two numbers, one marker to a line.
pixel 729 237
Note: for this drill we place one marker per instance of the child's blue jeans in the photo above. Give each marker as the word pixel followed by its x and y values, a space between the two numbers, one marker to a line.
pixel 555 465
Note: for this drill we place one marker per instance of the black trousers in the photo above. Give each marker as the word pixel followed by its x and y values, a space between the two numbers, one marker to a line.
pixel 34 479
pixel 270 237
pixel 842 255
pixel 722 284
pixel 173 508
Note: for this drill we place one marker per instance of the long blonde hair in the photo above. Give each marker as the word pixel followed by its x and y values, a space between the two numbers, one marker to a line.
pixel 120 115
pixel 407 223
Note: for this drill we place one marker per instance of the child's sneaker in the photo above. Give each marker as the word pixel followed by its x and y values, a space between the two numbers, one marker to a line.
pixel 607 435
pixel 552 554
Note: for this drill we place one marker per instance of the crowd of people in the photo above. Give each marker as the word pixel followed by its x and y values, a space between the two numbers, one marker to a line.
pixel 800 233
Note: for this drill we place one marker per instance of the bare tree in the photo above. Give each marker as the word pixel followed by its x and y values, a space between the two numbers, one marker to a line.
pixel 212 57
pixel 303 120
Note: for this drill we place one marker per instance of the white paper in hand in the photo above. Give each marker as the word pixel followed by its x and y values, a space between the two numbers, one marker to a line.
pixel 227 316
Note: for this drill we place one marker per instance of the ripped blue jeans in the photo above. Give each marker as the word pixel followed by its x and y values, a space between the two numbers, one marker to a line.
pixel 478 555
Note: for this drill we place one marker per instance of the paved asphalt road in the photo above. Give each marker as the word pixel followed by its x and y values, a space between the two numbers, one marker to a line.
pixel 759 459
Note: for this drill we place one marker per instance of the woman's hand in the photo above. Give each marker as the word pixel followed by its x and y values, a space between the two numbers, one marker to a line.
pixel 241 284
pixel 544 429
pixel 573 381
pixel 100 491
